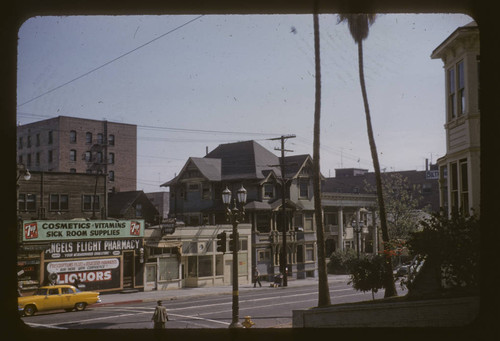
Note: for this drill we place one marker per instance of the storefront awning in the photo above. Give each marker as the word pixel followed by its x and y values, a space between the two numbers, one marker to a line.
pixel 164 243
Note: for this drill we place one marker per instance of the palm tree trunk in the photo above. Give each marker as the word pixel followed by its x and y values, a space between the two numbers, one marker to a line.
pixel 390 288
pixel 323 290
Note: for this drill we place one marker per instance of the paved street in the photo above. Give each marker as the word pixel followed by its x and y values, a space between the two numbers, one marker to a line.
pixel 268 307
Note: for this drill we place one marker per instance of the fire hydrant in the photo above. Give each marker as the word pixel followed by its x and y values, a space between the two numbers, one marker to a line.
pixel 247 323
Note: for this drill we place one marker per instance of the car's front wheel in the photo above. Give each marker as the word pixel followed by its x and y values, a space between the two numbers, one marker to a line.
pixel 80 306
pixel 29 310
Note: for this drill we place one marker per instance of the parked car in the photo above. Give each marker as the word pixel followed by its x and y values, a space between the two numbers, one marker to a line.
pixel 54 297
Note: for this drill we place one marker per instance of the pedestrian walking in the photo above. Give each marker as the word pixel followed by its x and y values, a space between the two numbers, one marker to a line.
pixel 159 316
pixel 256 277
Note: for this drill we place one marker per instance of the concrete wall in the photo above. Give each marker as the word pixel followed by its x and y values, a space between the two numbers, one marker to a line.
pixel 430 313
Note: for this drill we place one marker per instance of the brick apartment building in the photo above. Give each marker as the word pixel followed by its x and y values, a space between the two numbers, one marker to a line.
pixel 76 145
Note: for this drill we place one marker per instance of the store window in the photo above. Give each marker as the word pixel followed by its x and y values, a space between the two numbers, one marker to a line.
pixel 205 266
pixel 168 268
pixel 219 265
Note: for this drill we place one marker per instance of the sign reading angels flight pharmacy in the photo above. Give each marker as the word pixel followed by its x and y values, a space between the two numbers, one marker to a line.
pixel 43 230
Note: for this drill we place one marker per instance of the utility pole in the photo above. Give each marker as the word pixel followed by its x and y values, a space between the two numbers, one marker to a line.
pixel 283 261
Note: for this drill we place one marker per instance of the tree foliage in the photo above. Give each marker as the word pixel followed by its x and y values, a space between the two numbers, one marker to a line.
pixel 368 273
pixel 401 204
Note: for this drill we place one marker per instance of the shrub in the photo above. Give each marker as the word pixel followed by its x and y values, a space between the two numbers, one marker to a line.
pixel 367 273
pixel 339 262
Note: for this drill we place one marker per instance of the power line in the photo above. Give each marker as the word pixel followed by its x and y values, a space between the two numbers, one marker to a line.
pixel 111 61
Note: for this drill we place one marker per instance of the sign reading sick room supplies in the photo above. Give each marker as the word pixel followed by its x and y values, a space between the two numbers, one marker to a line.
pixel 38 230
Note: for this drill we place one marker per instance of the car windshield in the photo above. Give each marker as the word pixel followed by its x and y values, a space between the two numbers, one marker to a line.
pixel 41 291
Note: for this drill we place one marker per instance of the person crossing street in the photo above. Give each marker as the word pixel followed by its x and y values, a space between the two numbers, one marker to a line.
pixel 256 277
pixel 160 316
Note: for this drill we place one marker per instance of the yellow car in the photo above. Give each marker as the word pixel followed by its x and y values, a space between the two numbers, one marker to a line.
pixel 56 297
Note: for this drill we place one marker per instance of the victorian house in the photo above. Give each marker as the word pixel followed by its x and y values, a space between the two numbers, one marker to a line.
pixel 196 200
pixel 459 169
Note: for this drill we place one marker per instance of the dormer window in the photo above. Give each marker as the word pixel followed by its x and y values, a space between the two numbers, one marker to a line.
pixel 268 191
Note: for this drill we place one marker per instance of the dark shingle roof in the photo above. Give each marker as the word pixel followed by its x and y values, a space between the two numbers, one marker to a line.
pixel 120 202
pixel 244 160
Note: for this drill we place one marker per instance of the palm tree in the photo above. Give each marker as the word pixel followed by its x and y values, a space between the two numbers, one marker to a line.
pixel 323 290
pixel 359 27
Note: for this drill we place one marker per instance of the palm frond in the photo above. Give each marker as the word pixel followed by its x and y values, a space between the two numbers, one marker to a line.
pixel 359 24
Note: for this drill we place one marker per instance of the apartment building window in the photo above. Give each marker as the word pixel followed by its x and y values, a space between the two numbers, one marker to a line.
pixel 304 188
pixel 72 155
pixel 37 140
pixel 50 156
pixel 111 158
pixel 29 142
pixel 20 159
pixel 98 157
pixel 72 136
pixel 88 138
pixel 26 202
pixel 51 137
pixel 111 140
pixel 20 145
pixel 88 156
pixel 59 202
pixel 464 187
pixel 100 138
pixel 28 160
pixel 111 175
pixel 37 158
pixel 72 170
pixel 456 90
pixel 268 191
pixel 89 200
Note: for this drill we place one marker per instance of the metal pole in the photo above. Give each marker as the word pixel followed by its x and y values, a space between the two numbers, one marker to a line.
pixel 235 322
pixel 283 200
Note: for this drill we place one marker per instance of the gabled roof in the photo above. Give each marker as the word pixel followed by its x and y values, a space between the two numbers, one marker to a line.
pixel 209 168
pixel 244 160
pixel 120 202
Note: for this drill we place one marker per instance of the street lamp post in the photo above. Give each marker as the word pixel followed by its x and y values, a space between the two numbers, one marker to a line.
pixel 235 216
pixel 358 228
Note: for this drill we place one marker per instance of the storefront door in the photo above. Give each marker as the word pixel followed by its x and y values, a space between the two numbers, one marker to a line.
pixel 151 277
pixel 128 269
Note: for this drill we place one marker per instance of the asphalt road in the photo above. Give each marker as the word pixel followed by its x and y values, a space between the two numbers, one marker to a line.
pixel 268 308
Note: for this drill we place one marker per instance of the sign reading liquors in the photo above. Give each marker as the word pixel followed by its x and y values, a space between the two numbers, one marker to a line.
pixel 36 230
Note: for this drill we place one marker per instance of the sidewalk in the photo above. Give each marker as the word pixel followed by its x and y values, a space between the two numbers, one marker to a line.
pixel 173 294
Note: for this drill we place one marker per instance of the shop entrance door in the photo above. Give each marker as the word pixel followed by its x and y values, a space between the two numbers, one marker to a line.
pixel 128 269
pixel 151 276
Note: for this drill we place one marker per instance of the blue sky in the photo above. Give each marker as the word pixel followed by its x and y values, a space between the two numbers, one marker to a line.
pixel 191 82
